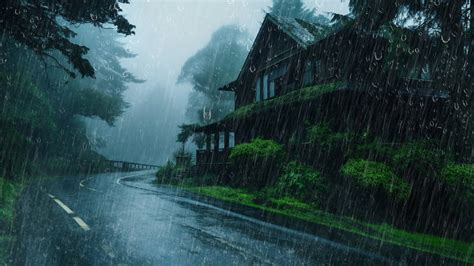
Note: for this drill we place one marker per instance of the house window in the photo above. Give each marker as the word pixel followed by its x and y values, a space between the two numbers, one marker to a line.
pixel 269 83
pixel 257 90
pixel 308 76
pixel 265 87
pixel 221 140
pixel 272 89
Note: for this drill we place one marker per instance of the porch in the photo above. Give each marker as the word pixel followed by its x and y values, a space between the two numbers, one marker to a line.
pixel 219 140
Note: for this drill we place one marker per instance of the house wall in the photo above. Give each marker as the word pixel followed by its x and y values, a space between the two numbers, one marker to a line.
pixel 273 48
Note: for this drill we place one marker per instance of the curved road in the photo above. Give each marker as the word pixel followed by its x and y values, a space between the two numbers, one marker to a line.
pixel 106 220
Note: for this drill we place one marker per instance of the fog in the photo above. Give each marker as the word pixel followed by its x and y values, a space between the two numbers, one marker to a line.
pixel 167 34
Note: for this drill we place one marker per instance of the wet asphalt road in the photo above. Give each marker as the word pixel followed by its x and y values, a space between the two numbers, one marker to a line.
pixel 101 221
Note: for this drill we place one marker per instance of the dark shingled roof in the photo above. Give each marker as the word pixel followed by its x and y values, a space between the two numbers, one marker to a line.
pixel 303 32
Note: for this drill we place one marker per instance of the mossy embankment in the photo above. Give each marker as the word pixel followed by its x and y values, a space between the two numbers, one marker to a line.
pixel 295 209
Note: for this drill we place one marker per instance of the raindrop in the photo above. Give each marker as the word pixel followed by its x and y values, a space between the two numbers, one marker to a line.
pixel 404 37
pixel 17 12
pixel 378 57
pixel 93 17
pixel 456 106
pixel 252 69
pixel 445 39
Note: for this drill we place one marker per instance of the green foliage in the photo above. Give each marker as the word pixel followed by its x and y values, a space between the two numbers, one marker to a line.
pixel 420 157
pixel 257 162
pixel 186 132
pixel 375 175
pixel 322 135
pixel 302 182
pixel 257 149
pixel 183 158
pixel 41 27
pixel 43 109
pixel 384 233
pixel 460 175
pixel 171 172
pixel 215 65
pixel 375 150
pixel 298 96
pixel 94 103
pixel 9 191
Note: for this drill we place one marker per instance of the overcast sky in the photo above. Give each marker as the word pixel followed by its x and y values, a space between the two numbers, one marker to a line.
pixel 168 32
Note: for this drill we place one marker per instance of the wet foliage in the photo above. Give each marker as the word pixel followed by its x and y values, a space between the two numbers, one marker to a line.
pixel 356 125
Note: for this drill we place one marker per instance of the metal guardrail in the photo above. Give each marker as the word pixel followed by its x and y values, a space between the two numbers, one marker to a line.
pixel 131 166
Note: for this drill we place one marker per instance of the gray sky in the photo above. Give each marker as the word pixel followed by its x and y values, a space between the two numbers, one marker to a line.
pixel 167 34
pixel 170 31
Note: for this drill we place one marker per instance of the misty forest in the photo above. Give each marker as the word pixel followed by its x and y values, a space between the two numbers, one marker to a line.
pixel 243 132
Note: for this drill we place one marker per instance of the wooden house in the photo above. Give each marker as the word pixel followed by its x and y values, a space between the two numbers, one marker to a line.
pixel 298 71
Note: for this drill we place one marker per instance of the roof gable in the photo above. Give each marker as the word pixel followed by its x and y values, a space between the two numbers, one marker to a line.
pixel 302 32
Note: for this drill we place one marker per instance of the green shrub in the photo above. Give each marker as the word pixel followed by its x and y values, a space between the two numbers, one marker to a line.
pixel 421 158
pixel 258 148
pixel 321 134
pixel 461 175
pixel 302 182
pixel 375 175
pixel 257 163
pixel 375 150
pixel 171 172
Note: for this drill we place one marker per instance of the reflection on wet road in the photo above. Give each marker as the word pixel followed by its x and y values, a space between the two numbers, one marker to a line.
pixel 155 226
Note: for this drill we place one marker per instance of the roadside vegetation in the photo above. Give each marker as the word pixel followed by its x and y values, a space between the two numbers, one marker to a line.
pixel 352 182
pixel 9 193
pixel 56 69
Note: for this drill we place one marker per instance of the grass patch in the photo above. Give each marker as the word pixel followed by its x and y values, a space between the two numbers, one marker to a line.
pixel 9 192
pixel 458 250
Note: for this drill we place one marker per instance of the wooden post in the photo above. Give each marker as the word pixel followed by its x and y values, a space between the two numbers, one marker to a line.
pixel 226 141
pixel 216 141
pixel 208 142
